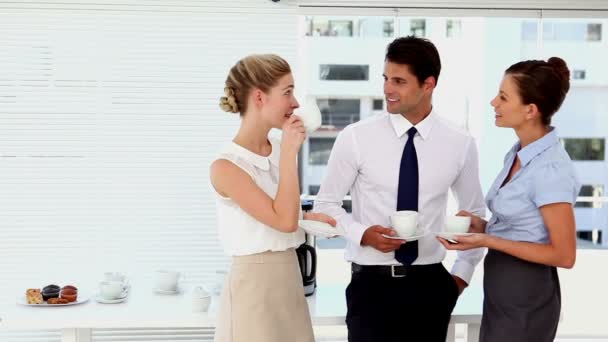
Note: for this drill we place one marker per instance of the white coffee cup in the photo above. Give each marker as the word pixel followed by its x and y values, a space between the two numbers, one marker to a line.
pixel 405 222
pixel 119 277
pixel 167 280
pixel 201 299
pixel 457 224
pixel 310 114
pixel 111 289
pixel 115 276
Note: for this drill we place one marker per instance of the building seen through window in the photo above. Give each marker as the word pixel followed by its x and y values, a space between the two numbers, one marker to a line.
pixel 585 148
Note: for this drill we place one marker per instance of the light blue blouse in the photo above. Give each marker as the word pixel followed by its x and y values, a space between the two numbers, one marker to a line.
pixel 546 176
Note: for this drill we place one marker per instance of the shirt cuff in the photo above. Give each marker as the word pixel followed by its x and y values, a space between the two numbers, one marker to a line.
pixel 354 232
pixel 463 270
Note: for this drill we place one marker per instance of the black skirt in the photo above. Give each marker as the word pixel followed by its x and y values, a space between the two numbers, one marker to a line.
pixel 522 300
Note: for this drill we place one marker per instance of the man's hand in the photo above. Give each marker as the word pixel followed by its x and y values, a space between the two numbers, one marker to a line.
pixel 460 283
pixel 373 237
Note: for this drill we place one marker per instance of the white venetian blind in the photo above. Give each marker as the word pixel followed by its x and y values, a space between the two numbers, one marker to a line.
pixel 109 120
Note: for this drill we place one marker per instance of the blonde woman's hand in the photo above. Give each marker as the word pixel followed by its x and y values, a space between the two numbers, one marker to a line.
pixel 321 218
pixel 478 225
pixel 294 134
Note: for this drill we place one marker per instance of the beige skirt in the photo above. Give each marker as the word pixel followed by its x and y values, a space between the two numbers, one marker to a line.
pixel 263 301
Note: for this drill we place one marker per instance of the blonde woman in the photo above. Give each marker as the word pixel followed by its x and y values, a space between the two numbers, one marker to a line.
pixel 256 180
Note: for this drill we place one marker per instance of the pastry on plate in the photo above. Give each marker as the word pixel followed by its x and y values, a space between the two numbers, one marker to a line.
pixel 57 301
pixel 33 296
pixel 69 293
pixel 50 291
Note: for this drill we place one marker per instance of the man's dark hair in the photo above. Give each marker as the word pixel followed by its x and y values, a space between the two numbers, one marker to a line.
pixel 418 53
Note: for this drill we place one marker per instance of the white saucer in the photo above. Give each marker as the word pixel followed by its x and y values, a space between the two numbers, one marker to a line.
pixel 420 233
pixel 102 300
pixel 320 228
pixel 124 294
pixel 450 236
pixel 165 292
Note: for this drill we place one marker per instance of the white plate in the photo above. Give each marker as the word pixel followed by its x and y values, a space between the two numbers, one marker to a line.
pixel 102 300
pixel 165 292
pixel 450 236
pixel 22 300
pixel 319 228
pixel 420 233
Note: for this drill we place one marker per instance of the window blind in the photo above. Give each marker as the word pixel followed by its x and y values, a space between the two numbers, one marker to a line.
pixel 109 120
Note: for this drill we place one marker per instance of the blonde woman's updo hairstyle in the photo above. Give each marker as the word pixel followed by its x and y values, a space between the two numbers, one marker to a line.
pixel 253 71
pixel 544 83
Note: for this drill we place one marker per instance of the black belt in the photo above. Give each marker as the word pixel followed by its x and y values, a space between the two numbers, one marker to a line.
pixel 394 271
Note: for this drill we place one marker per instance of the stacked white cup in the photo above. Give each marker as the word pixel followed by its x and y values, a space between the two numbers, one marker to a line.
pixel 201 299
pixel 168 281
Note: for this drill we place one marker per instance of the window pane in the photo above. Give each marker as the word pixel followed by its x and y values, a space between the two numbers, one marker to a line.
pixel 320 148
pixel 452 28
pixel 349 26
pixel 340 28
pixel 529 30
pixel 409 26
pixel 339 113
pixel 388 28
pixel 578 74
pixel 319 27
pixel 378 104
pixel 568 30
pixel 329 28
pixel 418 27
pixel 337 72
pixel 584 149
pixel 591 191
pixel 594 32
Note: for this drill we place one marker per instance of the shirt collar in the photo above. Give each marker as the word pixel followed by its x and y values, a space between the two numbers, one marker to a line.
pixel 401 125
pixel 529 152
pixel 259 161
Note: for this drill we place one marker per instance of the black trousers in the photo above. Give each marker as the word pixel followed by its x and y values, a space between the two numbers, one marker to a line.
pixel 416 307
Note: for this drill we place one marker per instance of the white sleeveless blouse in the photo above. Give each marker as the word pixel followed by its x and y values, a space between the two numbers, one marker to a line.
pixel 241 234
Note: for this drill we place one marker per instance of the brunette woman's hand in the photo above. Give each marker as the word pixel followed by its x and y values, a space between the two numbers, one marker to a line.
pixel 478 225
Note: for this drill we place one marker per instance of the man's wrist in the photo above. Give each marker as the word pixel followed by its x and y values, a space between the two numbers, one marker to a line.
pixel 363 241
pixel 461 284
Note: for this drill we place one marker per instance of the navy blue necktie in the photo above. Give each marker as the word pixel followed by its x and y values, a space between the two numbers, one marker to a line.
pixel 407 194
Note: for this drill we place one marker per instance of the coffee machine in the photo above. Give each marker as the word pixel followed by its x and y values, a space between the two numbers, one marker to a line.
pixel 307 257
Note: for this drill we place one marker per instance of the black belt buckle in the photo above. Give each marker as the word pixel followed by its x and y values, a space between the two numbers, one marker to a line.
pixel 398 271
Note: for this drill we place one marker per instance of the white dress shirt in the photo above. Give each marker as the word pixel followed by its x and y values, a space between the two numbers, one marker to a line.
pixel 365 160
pixel 239 232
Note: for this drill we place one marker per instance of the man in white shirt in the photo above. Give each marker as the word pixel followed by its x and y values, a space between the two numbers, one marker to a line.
pixel 405 160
